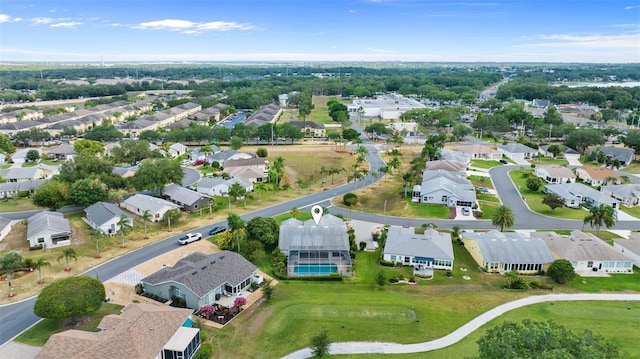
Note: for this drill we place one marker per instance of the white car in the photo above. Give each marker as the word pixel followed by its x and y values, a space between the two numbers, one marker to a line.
pixel 190 237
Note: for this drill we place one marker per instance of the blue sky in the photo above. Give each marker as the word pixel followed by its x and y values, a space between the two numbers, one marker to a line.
pixel 327 30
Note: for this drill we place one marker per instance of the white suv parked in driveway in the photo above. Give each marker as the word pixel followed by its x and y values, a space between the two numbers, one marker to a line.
pixel 190 237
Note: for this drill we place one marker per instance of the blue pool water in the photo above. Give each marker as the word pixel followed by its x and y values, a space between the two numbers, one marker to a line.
pixel 188 323
pixel 315 268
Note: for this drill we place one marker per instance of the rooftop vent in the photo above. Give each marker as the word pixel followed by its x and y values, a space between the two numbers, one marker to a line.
pixel 221 257
pixel 203 267
pixel 194 272
pixel 212 262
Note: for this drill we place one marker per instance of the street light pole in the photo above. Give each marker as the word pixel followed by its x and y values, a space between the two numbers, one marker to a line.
pixel 385 207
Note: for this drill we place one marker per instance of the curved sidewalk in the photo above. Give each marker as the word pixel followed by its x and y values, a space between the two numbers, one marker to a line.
pixel 460 333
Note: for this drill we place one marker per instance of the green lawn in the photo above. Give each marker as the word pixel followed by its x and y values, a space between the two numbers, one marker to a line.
pixel 632 211
pixel 487 198
pixel 15 205
pixel 549 161
pixel 320 112
pixel 614 283
pixel 488 208
pixel 534 199
pixel 40 333
pixel 485 164
pixel 634 168
pixel 428 210
pixel 302 216
pixel 613 320
pixel 481 181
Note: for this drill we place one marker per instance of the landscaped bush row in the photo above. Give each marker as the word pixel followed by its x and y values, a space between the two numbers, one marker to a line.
pixel 329 278
pixel 35 248
pixel 154 297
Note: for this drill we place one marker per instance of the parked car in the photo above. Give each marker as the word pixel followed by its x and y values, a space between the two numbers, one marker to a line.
pixel 466 211
pixel 216 230
pixel 190 237
pixel 503 161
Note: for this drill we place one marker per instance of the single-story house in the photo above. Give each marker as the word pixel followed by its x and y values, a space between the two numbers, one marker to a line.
pixel 139 203
pixel 216 186
pixel 10 189
pixel 444 187
pixel 311 129
pixel 432 249
pixel 623 155
pixel 105 216
pixel 48 228
pixel 226 155
pixel 125 171
pixel 20 156
pixel 506 251
pixel 19 174
pixel 517 151
pixel 598 176
pixel 568 153
pixel 555 174
pixel 577 194
pixel 177 149
pixel 315 249
pixel 629 247
pixel 254 169
pixel 201 279
pixel 479 151
pixel 586 252
pixel 451 166
pixel 140 331
pixel 628 194
pixel 188 199
pixel 5 227
pixel 455 156
pixel 62 152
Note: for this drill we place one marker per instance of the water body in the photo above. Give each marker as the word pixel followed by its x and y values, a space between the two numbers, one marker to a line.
pixel 599 84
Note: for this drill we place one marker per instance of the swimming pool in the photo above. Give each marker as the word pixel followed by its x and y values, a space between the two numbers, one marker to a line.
pixel 315 268
pixel 188 323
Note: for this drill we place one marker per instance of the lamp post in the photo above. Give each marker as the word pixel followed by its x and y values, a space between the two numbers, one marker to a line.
pixel 385 207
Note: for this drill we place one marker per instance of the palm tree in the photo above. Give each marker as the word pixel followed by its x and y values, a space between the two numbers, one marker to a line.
pixel 601 215
pixel 236 226
pixel 11 261
pixel 455 231
pixel 38 264
pixel 146 216
pixel 97 235
pixel 172 214
pixel 503 217
pixel 67 254
pixel 212 205
pixel 124 222
pixel 294 212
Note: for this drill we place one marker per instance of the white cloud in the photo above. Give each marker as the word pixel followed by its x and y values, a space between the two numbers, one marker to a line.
pixel 190 27
pixel 628 40
pixel 4 18
pixel 67 25
pixel 632 7
pixel 17 19
pixel 42 20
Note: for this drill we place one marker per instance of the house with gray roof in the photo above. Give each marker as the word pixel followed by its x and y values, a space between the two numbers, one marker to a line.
pixel 444 187
pixel 139 203
pixel 628 194
pixel 506 251
pixel 315 249
pixel 49 229
pixel 517 151
pixel 226 155
pixel 10 189
pixel 177 149
pixel 577 194
pixel 630 247
pixel 568 153
pixel 20 156
pixel 586 252
pixel 432 249
pixel 622 154
pixel 19 174
pixel 105 216
pixel 62 152
pixel 202 279
pixel 266 114
pixel 189 200
pixel 5 227
pixel 217 186
pixel 456 156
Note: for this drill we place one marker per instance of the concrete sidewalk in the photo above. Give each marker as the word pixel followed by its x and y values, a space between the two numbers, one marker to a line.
pixel 460 333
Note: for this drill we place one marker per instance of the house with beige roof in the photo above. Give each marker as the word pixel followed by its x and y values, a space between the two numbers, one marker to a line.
pixel 139 203
pixel 630 247
pixel 598 176
pixel 480 152
pixel 586 252
pixel 555 174
pixel 451 166
pixel 141 331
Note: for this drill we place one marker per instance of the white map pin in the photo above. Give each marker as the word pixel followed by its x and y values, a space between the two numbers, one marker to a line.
pixel 316 213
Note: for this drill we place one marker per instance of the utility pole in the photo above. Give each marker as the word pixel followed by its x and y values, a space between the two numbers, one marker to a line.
pixel 550 125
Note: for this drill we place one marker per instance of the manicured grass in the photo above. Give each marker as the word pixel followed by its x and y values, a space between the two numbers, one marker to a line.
pixel 614 283
pixel 487 198
pixel 16 205
pixel 632 211
pixel 428 210
pixel 481 181
pixel 549 161
pixel 488 208
pixel 534 199
pixel 634 168
pixel 615 321
pixel 302 216
pixel 485 164
pixel 40 333
pixel 320 112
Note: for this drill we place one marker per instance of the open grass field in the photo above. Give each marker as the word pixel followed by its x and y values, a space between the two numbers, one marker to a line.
pixel 40 333
pixel 16 205
pixel 320 112
pixel 485 164
pixel 534 199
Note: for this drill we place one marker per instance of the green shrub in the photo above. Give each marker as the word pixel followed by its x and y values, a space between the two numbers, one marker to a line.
pixel 204 352
pixel 386 263
pixel 35 248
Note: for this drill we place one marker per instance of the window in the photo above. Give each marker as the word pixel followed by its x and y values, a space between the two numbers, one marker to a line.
pixel 393 258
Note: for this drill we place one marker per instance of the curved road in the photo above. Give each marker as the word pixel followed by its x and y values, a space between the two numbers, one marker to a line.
pixel 460 333
pixel 17 317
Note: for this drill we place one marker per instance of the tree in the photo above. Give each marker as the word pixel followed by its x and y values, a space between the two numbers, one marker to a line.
pixel 5 144
pixel 555 150
pixel 632 140
pixel 97 235
pixel 601 215
pixel 236 143
pixel 124 222
pixel 267 289
pixel 39 264
pixel 52 195
pixel 89 147
pixel 70 298
pixel 236 227
pixel 224 240
pixel 263 229
pixel 32 156
pixel 146 216
pixel 156 174
pixel 103 133
pixel 236 191
pixel 294 211
pixel 320 344
pixel 11 262
pixel 68 253
pixel 584 138
pixel 553 200
pixel 534 183
pixel 380 278
pixel 276 171
pixel 172 215
pixel 133 152
pixel 350 134
pixel 350 199
pixel 561 271
pixel 533 339
pixel 503 217
pixel 262 152
pixel 552 116
pixel 461 131
pixel 88 191
pixel 455 232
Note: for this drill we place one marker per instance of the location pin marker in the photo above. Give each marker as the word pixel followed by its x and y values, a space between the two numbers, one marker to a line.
pixel 316 212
